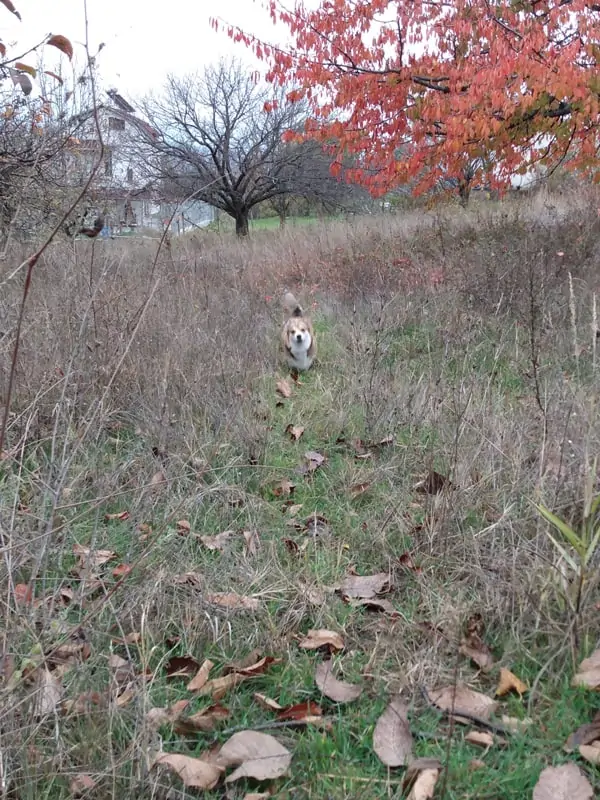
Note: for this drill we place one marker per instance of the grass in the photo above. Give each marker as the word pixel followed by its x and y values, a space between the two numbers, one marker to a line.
pixel 192 428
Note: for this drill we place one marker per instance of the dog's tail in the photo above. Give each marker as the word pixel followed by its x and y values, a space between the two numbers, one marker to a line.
pixel 291 305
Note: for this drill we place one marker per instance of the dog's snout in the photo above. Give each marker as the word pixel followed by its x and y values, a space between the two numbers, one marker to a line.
pixel 298 337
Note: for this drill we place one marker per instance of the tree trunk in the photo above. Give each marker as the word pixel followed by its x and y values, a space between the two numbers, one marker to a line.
pixel 464 192
pixel 241 223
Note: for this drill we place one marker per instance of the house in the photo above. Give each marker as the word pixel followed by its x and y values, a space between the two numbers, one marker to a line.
pixel 122 192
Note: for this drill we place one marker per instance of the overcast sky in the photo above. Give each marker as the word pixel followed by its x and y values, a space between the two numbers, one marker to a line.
pixel 141 45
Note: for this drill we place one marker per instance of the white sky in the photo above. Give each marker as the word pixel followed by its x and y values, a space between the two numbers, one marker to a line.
pixel 141 46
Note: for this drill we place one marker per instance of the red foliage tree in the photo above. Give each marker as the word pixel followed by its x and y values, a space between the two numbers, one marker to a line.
pixel 418 90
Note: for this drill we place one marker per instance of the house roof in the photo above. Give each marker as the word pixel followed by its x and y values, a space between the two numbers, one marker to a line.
pixel 120 101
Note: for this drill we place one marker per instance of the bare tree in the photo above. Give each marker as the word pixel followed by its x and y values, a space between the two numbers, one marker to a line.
pixel 220 135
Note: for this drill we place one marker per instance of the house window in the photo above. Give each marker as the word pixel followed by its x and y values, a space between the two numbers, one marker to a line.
pixel 116 124
pixel 129 174
pixel 108 164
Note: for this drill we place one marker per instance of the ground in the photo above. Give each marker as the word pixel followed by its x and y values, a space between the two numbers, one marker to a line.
pixel 456 386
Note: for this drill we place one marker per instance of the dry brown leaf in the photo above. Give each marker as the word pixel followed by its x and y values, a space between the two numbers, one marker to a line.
pixel 301 712
pixel 158 479
pixel 588 674
pixel 205 720
pixel 256 755
pixel 283 488
pixel 201 677
pixel 322 638
pixel 312 461
pixel 232 600
pixel 433 483
pixel 183 527
pixel 156 717
pixel 244 663
pixel 252 542
pixel 283 388
pixel 365 587
pixel 480 738
pixel 424 786
pixel 590 753
pixel 460 698
pixel 123 671
pixel 192 771
pixel 585 734
pixel 218 541
pixel 566 782
pixel 81 784
pixel 359 488
pixel 331 687
pixel 476 649
pixel 181 667
pixel 257 796
pixel 392 739
pixel 294 431
pixel 516 725
pixel 48 692
pixel 509 682
pixel 267 702
pixel 218 687
pixel 376 604
pixel 415 768
pixel 92 558
pixel 120 515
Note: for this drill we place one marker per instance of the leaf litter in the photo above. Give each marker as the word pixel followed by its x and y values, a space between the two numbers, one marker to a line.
pixel 334 689
pixel 392 739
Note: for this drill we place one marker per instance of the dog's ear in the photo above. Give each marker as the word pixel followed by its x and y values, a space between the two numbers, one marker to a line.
pixel 291 305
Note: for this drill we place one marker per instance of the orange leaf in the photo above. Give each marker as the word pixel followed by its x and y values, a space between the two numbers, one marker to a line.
pixel 62 43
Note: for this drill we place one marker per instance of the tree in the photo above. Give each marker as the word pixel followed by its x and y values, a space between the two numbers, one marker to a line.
pixel 511 83
pixel 219 136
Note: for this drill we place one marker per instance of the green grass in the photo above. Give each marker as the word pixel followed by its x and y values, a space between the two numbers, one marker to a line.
pixel 366 534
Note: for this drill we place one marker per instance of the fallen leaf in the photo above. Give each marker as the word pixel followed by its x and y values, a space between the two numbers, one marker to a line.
pixel 252 542
pixel 267 702
pixel 312 462
pixel 480 738
pixel 257 796
pixel 406 561
pixel 23 594
pixel 322 638
pixel 591 752
pixel 509 682
pixel 92 558
pixel 331 687
pixel 585 734
pixel 81 784
pixel 183 527
pixel 156 717
pixel 205 720
pixel 392 739
pixel 375 604
pixel 192 771
pixel 454 699
pixel 292 546
pixel 566 782
pixel 365 586
pixel 123 671
pixel 120 515
pixel 433 483
pixel 300 711
pixel 158 479
pixel 476 763
pixel 48 693
pixel 283 388
pixel 317 525
pixel 259 756
pixel 473 647
pixel 131 638
pixel 201 677
pixel 218 687
pixel 243 663
pixel 190 578
pixel 218 541
pixel 516 725
pixel 293 508
pixel 359 488
pixel 588 674
pixel 232 600
pixel 294 431
pixel 121 570
pixel 181 667
pixel 259 667
pixel 421 775
pixel 283 488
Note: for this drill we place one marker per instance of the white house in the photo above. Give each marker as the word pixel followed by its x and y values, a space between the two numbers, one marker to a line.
pixel 121 189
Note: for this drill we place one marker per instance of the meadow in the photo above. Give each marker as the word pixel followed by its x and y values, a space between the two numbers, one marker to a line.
pixel 172 502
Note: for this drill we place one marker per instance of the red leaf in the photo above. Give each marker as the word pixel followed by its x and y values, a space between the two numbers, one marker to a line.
pixel 11 7
pixel 61 42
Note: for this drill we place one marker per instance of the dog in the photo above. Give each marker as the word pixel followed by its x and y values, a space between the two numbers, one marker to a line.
pixel 297 336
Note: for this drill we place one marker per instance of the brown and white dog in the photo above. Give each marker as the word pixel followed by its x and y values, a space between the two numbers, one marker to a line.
pixel 297 336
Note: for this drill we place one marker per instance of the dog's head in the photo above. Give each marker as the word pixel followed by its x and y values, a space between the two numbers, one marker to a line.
pixel 297 333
